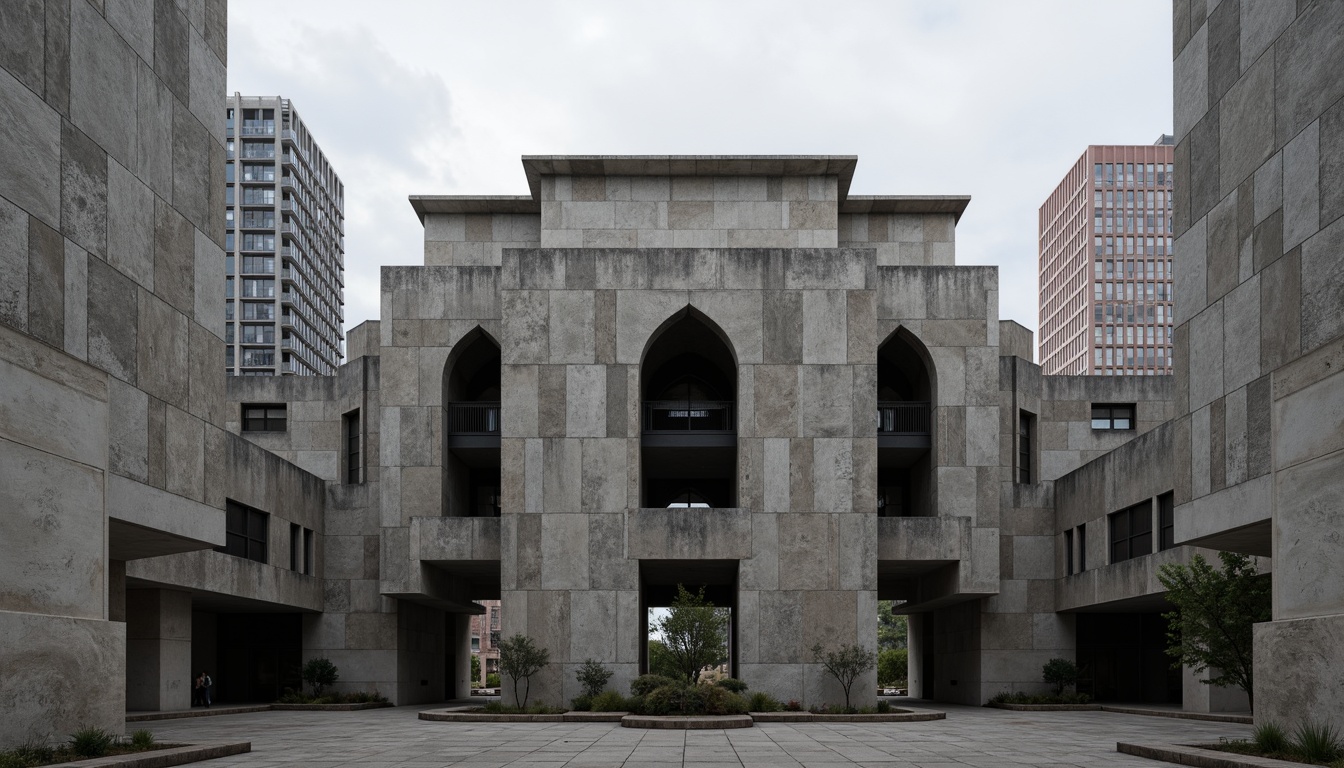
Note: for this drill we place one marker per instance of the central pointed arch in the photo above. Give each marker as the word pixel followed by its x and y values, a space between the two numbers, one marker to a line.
pixel 907 393
pixel 471 427
pixel 688 414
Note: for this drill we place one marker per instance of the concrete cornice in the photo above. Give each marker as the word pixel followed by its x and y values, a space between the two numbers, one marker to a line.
pixel 424 204
pixel 953 204
pixel 537 166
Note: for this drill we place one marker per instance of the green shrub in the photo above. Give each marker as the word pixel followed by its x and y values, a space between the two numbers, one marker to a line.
pixel 609 701
pixel 499 708
pixel 732 684
pixel 581 703
pixel 29 754
pixel 892 665
pixel 717 700
pixel 1060 673
pixel 319 673
pixel 1021 697
pixel 91 742
pixel 673 698
pixel 1269 737
pixel 142 739
pixel 1317 742
pixel 593 676
pixel 793 705
pixel 761 701
pixel 492 680
pixel 883 707
pixel 645 684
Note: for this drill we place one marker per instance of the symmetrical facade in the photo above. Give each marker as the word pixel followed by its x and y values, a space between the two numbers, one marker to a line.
pixel 284 244
pixel 725 372
pixel 1106 264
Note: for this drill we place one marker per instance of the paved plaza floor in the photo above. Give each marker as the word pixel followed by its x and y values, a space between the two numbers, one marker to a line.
pixel 969 736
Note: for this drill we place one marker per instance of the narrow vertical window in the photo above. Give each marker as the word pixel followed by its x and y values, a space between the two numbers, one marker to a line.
pixel 1068 552
pixel 295 547
pixel 1166 520
pixel 307 551
pixel 1082 547
pixel 1026 425
pixel 352 445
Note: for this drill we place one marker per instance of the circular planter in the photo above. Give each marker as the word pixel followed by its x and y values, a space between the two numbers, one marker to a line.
pixel 1048 707
pixel 782 717
pixel 450 716
pixel 594 717
pixel 673 722
pixel 896 716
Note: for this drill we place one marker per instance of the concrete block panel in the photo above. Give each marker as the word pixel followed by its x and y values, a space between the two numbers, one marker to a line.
pixel 1246 121
pixel 608 566
pixel 1192 82
pixel 1322 286
pixel 1241 334
pixel 1206 356
pixel 52 402
pixel 564 560
pixel 805 552
pixel 829 619
pixel 780 642
pixel 1307 60
pixel 1261 24
pixel 45 689
pixel 571 327
pixel 832 475
pixel 1307 422
pixel 561 461
pixel 14 261
pixel 585 400
pixel 1291 659
pixel 593 614
pixel 689 534
pixel 603 482
pixel 55 563
pixel 102 83
pixel 1301 186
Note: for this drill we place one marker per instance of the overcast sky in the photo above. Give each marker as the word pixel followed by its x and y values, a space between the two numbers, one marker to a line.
pixel 991 98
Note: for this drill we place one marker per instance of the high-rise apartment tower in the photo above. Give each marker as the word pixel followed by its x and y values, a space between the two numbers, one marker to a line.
pixel 284 244
pixel 1105 264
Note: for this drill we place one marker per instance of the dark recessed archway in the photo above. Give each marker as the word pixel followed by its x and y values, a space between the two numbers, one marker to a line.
pixel 471 427
pixel 906 394
pixel 688 435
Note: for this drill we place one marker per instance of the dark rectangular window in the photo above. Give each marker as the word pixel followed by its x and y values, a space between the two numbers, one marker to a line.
pixel 1132 532
pixel 1166 520
pixel 1068 552
pixel 307 551
pixel 352 444
pixel 295 547
pixel 1026 426
pixel 1082 547
pixel 263 418
pixel 1112 416
pixel 245 532
pixel 494 617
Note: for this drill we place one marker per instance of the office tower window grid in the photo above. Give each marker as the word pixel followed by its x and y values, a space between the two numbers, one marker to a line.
pixel 1105 264
pixel 285 244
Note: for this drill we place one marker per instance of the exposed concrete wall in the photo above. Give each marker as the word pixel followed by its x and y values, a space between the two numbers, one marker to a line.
pixel 110 328
pixel 689 211
pixel 477 239
pixel 901 239
pixel 1260 131
pixel 158 649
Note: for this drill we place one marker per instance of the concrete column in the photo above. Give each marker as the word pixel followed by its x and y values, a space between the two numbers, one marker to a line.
pixel 158 649
pixel 1199 697
pixel 116 590
pixel 915 660
pixel 460 648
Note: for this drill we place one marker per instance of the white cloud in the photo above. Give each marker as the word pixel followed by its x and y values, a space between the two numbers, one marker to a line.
pixel 991 99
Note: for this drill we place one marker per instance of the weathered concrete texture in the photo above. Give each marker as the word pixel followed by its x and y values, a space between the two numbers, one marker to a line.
pixel 1294 660
pixel 49 661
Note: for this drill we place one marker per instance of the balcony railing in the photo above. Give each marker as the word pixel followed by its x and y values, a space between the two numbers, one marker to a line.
pixel 689 416
pixel 475 418
pixel 902 418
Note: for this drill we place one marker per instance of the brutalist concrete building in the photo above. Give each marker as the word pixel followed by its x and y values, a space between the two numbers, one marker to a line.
pixel 726 372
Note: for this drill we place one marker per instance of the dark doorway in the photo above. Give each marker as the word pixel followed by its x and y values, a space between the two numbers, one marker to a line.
pixel 1122 658
pixel 905 408
pixel 471 428
pixel 260 655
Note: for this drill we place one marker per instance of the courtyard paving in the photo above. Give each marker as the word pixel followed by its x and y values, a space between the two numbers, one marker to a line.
pixel 970 736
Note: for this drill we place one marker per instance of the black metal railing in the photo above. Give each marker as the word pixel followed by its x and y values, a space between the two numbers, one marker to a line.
pixel 476 418
pixel 689 416
pixel 902 418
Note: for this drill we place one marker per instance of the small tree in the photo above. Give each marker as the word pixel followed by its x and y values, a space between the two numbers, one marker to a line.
pixel 520 659
pixel 846 664
pixel 319 673
pixel 475 670
pixel 1211 626
pixel 593 677
pixel 660 661
pixel 893 630
pixel 695 633
pixel 1060 673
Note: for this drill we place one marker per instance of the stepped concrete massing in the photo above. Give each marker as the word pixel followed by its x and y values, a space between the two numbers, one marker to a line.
pixel 725 372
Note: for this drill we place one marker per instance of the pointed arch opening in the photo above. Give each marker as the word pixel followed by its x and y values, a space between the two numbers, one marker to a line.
pixel 471 427
pixel 906 395
pixel 688 411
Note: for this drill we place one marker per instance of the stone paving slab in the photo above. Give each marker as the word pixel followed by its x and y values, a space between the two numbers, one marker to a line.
pixel 969 736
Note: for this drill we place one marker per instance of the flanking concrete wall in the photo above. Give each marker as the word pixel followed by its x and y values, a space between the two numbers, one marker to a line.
pixel 477 239
pixel 112 149
pixel 1260 230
